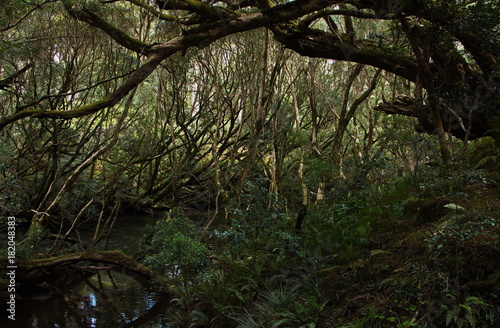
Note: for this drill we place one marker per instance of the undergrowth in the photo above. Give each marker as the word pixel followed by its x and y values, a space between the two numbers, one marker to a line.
pixel 417 251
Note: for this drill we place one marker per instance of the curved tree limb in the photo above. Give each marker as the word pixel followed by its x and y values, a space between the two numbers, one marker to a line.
pixel 452 18
pixel 91 18
pixel 317 43
pixel 153 11
pixel 135 79
pixel 196 37
pixel 442 70
pixel 5 83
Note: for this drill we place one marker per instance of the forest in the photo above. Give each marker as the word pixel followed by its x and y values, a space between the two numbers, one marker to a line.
pixel 250 163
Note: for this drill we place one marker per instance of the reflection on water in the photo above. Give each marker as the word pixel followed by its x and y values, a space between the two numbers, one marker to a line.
pixel 106 299
pixel 126 232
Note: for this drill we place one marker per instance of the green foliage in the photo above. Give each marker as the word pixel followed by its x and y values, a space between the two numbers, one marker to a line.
pixel 173 252
pixel 362 244
pixel 451 235
pixel 432 183
pixel 401 315
pixel 284 303
pixel 259 225
pixel 341 228
pixel 484 154
pixel 483 14
pixel 273 309
pixel 14 190
pixel 472 312
pixel 258 276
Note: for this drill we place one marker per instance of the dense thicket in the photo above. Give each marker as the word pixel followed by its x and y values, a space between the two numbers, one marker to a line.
pixel 301 121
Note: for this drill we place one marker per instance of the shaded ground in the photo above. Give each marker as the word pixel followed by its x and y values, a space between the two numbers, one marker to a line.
pixel 437 266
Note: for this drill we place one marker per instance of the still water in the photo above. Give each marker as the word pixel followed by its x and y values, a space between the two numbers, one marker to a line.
pixel 106 299
pixel 109 298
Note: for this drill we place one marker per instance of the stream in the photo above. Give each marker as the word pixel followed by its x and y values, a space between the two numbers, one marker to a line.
pixel 108 298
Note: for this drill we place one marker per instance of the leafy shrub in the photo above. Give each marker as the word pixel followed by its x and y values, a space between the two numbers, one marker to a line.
pixel 484 154
pixel 173 251
pixel 259 224
pixel 341 228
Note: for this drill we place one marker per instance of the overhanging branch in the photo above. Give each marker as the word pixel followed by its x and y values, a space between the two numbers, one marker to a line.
pixel 10 79
pixel 91 18
pixel 317 43
pixel 198 37
pixel 135 79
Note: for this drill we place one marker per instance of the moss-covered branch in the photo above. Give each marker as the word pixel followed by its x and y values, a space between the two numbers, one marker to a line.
pixel 4 83
pixel 317 43
pixel 91 18
pixel 112 257
pixel 153 11
pixel 134 80
pixel 198 37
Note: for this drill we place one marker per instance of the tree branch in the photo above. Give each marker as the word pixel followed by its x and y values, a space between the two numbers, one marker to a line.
pixel 199 37
pixel 113 257
pixel 153 11
pixel 135 79
pixel 5 83
pixel 317 43
pixel 91 18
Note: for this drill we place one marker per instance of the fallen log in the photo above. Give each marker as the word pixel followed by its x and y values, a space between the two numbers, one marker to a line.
pixel 112 257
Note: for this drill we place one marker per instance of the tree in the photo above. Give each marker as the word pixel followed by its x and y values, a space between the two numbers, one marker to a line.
pixel 69 92
pixel 448 48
